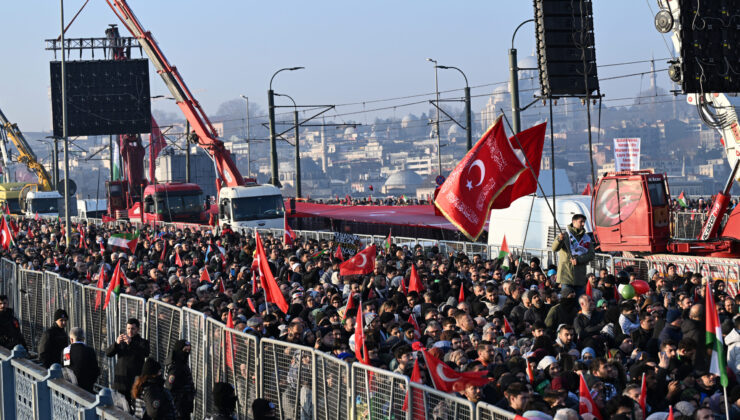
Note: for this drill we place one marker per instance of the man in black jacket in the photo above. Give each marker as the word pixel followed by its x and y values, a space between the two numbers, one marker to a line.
pixel 10 328
pixel 54 340
pixel 82 360
pixel 131 350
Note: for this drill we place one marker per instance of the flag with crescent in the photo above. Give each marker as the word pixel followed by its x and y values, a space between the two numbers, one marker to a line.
pixel 447 379
pixel 362 263
pixel 586 402
pixel 490 166
pixel 532 140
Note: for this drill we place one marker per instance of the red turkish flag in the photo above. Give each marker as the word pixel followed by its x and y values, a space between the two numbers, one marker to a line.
pixel 178 261
pixel 270 286
pixel 100 285
pixel 415 284
pixel 360 349
pixel 350 304
pixel 446 379
pixel 289 236
pixel 489 167
pixel 589 290
pixel 413 322
pixel 586 403
pixel 461 295
pixel 507 327
pixel 643 397
pixel 338 253
pixel 532 140
pixel 6 238
pixel 416 378
pixel 362 263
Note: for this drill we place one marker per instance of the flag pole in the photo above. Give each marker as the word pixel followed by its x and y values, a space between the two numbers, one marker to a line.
pixel 727 406
pixel 534 175
pixel 526 231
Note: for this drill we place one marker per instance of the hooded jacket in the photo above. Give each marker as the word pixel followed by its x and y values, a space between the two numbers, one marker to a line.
pixel 568 273
pixel 180 379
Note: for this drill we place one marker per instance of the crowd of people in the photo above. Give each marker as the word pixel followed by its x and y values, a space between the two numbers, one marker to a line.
pixel 534 329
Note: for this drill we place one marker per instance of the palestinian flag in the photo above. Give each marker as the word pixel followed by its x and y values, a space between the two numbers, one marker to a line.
pixel 503 254
pixel 682 200
pixel 714 340
pixel 319 254
pixel 388 243
pixel 119 279
pixel 6 237
pixel 124 240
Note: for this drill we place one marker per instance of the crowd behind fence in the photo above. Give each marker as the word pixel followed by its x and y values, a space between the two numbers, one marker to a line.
pixel 304 383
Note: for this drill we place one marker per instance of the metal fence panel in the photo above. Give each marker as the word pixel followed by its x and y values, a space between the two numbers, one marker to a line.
pixel 287 378
pixel 241 368
pixel 428 403
pixel 490 412
pixel 31 311
pixel 193 329
pixel 214 373
pixel 332 378
pixel 378 394
pixel 163 328
pixel 8 282
pixel 130 307
pixel 97 322
pixel 638 266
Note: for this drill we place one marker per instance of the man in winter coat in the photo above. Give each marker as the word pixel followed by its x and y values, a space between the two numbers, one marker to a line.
pixel 10 328
pixel 575 250
pixel 131 350
pixel 54 340
pixel 81 360
pixel 179 379
pixel 733 347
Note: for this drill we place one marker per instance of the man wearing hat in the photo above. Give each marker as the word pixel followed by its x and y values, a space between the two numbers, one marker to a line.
pixel 575 250
pixel 672 329
pixel 54 340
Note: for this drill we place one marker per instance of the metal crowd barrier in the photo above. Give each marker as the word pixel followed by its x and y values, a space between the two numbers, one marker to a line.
pixel 429 404
pixel 491 412
pixel 287 377
pixel 378 393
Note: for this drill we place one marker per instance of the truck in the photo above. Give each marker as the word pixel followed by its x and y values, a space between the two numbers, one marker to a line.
pixel 534 212
pixel 632 209
pixel 30 199
pixel 239 198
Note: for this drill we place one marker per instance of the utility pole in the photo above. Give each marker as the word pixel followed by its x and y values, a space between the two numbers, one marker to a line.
pixel 468 120
pixel 110 148
pixel 187 151
pixel 297 156
pixel 249 146
pixel 514 90
pixel 436 123
pixel 274 177
pixel 64 133
pixel 55 162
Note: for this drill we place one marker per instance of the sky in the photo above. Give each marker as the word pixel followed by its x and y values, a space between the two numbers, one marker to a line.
pixel 353 51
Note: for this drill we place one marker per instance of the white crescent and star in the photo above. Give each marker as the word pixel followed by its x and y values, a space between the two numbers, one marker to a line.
pixel 364 260
pixel 479 164
pixel 586 402
pixel 441 374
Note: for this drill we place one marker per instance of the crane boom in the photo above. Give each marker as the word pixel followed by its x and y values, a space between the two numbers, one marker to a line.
pixel 207 135
pixel 714 108
pixel 26 155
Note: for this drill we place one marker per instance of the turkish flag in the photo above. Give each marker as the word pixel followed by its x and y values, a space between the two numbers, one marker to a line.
pixel 415 284
pixel 272 290
pixel 586 403
pixel 643 397
pixel 413 322
pixel 289 235
pixel 461 294
pixel 6 238
pixel 229 345
pixel 350 304
pixel 532 141
pixel 589 290
pixel 507 327
pixel 100 285
pixel 338 253
pixel 178 261
pixel 360 349
pixel 446 379
pixel 489 167
pixel 362 263
pixel 416 378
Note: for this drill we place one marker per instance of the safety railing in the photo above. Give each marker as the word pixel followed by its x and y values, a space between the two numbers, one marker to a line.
pixel 163 328
pixel 429 404
pixel 378 394
pixel 490 412
pixel 194 330
pixel 287 377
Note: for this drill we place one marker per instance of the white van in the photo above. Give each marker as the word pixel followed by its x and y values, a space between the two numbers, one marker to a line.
pixel 512 221
pixel 251 206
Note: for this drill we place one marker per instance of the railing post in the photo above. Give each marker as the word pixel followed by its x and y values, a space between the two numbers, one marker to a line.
pixel 7 377
pixel 104 398
pixel 43 395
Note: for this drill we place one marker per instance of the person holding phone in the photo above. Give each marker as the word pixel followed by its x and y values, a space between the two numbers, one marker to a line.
pixel 132 350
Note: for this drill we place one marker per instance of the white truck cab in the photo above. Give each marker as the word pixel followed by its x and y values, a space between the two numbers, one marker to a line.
pixel 251 206
pixel 43 203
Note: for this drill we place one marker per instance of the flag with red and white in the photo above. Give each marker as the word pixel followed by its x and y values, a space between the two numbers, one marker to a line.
pixel 643 397
pixel 585 402
pixel 117 281
pixel 507 327
pixel 350 304
pixel 289 236
pixel 417 329
pixel 714 340
pixel 204 276
pixel 449 380
pixel 178 260
pixel 362 263
pixel 415 378
pixel 273 293
pixel 532 141
pixel 6 237
pixel 360 349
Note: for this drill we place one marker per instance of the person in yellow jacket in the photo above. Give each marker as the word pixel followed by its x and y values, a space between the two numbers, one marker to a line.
pixel 575 250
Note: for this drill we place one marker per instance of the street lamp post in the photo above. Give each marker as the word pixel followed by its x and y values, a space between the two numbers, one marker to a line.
pixel 468 116
pixel 274 179
pixel 514 81
pixel 54 162
pixel 249 146
pixel 67 229
pixel 436 123
pixel 298 193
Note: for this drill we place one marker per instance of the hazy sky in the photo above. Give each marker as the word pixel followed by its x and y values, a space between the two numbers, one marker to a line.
pixel 353 51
